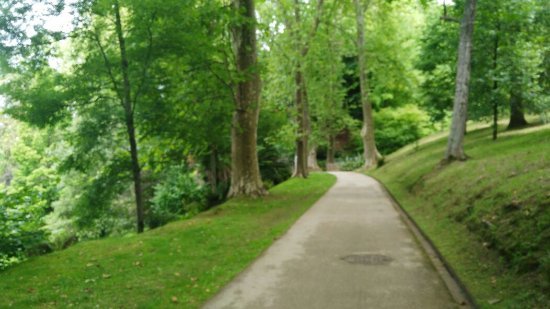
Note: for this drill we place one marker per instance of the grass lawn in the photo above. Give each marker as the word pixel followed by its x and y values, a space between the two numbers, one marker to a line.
pixel 181 264
pixel 489 216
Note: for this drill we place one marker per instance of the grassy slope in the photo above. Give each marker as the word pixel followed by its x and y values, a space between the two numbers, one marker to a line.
pixel 181 264
pixel 489 216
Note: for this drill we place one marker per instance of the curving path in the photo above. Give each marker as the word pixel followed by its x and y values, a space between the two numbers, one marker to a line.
pixel 352 249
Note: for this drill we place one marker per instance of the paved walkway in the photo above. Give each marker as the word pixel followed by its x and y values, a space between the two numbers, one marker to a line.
pixel 350 250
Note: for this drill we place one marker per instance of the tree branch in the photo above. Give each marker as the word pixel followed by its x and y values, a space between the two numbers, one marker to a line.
pixel 108 66
pixel 147 61
pixel 313 31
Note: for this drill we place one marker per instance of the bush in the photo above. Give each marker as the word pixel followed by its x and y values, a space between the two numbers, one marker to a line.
pixel 19 232
pixel 397 127
pixel 351 163
pixel 180 194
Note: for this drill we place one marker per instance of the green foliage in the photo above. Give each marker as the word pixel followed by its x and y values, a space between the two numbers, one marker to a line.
pixel 397 127
pixel 438 63
pixel 275 146
pixel 391 52
pixel 508 59
pixel 179 194
pixel 180 73
pixel 29 188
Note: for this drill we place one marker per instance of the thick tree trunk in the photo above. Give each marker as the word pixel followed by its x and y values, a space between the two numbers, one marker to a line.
pixel 312 160
pixel 129 116
pixel 245 171
pixel 517 118
pixel 455 148
pixel 331 164
pixel 367 132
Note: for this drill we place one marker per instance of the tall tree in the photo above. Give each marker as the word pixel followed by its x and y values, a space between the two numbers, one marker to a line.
pixel 128 105
pixel 367 132
pixel 245 172
pixel 455 147
pixel 300 97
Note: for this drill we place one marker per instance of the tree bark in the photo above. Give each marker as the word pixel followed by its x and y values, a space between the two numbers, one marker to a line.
pixel 245 171
pixel 517 117
pixel 129 117
pixel 301 162
pixel 312 160
pixel 455 147
pixel 331 165
pixel 367 132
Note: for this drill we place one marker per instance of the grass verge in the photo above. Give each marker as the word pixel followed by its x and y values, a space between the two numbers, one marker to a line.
pixel 181 264
pixel 489 216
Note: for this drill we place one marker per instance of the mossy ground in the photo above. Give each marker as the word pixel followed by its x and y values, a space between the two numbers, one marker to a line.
pixel 179 265
pixel 489 216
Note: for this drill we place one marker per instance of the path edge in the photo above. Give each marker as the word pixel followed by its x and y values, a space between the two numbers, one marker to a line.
pixel 208 302
pixel 454 284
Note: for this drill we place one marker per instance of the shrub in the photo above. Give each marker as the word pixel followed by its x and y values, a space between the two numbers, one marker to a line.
pixel 179 194
pixel 351 163
pixel 397 127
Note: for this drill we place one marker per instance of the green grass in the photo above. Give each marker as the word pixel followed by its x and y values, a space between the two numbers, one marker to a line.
pixel 489 216
pixel 179 265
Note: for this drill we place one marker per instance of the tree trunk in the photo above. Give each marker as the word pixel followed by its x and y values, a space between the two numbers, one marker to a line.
pixel 367 132
pixel 517 118
pixel 213 167
pixel 455 147
pixel 245 171
pixel 129 116
pixel 301 159
pixel 301 162
pixel 312 160
pixel 495 83
pixel 331 165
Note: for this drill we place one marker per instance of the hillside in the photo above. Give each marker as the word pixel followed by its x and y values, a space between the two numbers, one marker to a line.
pixel 489 216
pixel 183 263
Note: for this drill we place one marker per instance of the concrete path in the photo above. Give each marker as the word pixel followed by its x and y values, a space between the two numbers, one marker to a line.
pixel 350 250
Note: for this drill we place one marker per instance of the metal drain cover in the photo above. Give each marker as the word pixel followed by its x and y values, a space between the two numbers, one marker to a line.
pixel 367 259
